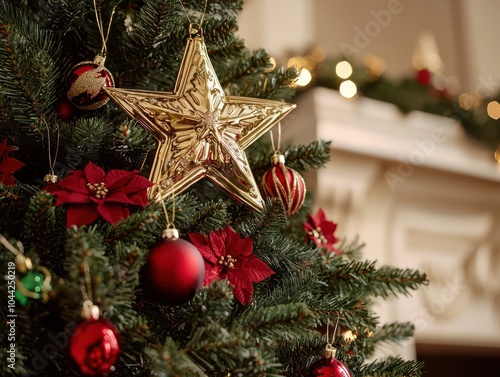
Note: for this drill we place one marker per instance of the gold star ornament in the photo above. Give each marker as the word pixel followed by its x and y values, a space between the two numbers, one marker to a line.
pixel 200 131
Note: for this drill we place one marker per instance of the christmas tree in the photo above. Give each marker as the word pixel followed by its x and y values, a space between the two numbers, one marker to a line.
pixel 251 283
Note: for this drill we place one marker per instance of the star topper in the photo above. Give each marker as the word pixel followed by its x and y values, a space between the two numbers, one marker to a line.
pixel 200 131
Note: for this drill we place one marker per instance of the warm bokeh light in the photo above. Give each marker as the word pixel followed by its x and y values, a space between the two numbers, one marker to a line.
pixel 343 69
pixel 375 65
pixel 466 101
pixel 348 89
pixel 497 154
pixel 349 336
pixel 493 110
pixel 304 77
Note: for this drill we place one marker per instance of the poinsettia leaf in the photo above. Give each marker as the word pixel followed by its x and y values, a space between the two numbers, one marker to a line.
pixel 76 197
pixel 113 212
pixel 216 243
pixel 200 241
pixel 10 165
pixel 133 183
pixel 117 179
pixel 116 197
pixel 243 289
pixel 212 273
pixel 139 198
pixel 253 269
pixel 81 214
pixel 7 179
pixel 93 173
pixel 73 182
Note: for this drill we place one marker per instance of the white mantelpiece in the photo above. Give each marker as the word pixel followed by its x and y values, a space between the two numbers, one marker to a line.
pixel 422 195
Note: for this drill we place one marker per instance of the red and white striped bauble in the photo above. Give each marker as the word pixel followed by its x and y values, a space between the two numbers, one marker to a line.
pixel 284 183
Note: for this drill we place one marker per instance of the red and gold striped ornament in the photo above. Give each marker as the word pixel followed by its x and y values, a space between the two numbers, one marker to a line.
pixel 284 183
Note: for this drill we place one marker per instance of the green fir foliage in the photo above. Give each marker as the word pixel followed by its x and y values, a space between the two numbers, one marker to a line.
pixel 281 331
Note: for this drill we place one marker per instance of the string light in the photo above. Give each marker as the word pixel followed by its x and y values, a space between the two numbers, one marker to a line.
pixel 348 89
pixel 493 110
pixel 343 69
pixel 466 101
pixel 304 77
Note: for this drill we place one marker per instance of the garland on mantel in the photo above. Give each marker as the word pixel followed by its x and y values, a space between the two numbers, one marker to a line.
pixel 426 91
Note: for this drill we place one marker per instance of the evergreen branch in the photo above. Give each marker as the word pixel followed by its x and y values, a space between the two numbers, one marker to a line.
pixel 391 367
pixel 40 221
pixel 351 249
pixel 14 201
pixel 308 157
pixel 277 323
pixel 270 221
pixel 140 227
pixel 84 140
pixel 364 278
pixel 29 72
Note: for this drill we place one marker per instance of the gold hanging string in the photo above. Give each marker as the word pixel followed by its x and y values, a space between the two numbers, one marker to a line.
pixel 170 224
pixel 89 310
pixel 193 26
pixel 52 163
pixel 276 150
pixel 100 25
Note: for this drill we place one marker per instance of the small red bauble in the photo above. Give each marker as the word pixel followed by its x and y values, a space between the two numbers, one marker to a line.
pixel 424 77
pixel 86 81
pixel 286 184
pixel 328 367
pixel 174 272
pixel 95 347
pixel 65 109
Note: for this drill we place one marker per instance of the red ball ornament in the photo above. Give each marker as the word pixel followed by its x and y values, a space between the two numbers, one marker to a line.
pixel 328 367
pixel 424 77
pixel 86 81
pixel 95 347
pixel 174 272
pixel 284 183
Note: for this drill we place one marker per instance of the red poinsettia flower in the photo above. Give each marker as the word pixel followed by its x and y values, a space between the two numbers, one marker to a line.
pixel 321 231
pixel 228 256
pixel 90 194
pixel 8 165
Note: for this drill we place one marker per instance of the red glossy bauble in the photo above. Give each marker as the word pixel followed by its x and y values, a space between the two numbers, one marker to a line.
pixel 85 83
pixel 287 185
pixel 65 109
pixel 424 77
pixel 95 347
pixel 174 272
pixel 329 367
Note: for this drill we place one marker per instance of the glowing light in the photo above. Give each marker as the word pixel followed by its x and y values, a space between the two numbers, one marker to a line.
pixel 375 66
pixel 497 155
pixel 272 65
pixel 348 89
pixel 343 69
pixel 466 101
pixel 304 77
pixel 493 110
pixel 349 336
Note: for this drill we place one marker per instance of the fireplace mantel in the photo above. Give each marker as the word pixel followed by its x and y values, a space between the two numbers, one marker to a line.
pixel 421 194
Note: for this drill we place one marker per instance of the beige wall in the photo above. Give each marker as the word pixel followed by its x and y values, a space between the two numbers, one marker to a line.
pixel 465 30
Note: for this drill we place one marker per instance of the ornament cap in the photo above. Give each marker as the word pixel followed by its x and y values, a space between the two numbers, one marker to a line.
pixel 329 351
pixel 90 311
pixel 171 233
pixel 50 178
pixel 277 158
pixel 100 58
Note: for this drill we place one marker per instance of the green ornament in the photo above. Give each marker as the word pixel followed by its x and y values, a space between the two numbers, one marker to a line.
pixel 31 287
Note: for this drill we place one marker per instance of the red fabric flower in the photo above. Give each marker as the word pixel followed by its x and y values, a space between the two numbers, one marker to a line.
pixel 90 194
pixel 8 165
pixel 228 256
pixel 321 231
